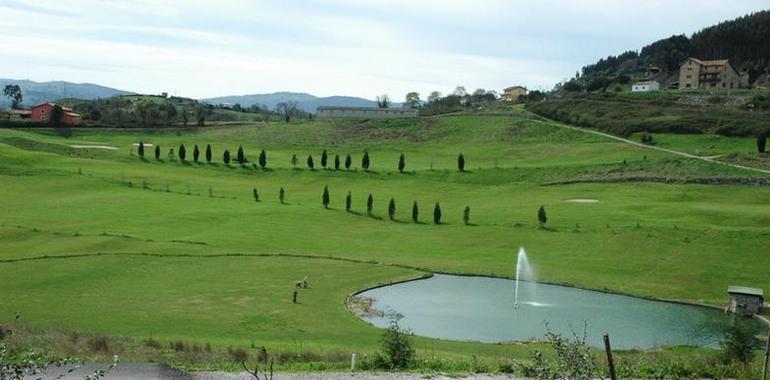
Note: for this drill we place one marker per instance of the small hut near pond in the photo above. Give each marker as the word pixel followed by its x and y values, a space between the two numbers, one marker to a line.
pixel 745 301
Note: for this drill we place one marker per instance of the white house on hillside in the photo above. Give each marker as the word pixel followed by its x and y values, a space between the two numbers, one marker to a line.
pixel 646 86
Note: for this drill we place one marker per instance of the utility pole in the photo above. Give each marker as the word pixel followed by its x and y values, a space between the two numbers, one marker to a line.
pixel 767 355
pixel 610 363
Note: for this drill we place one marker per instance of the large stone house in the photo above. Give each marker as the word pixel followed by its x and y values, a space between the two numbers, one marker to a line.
pixel 717 75
pixel 512 94
pixel 42 113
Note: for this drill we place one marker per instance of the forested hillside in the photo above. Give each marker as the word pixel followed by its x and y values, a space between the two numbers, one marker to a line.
pixel 744 41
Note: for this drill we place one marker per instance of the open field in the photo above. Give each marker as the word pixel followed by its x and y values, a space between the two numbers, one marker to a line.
pixel 101 240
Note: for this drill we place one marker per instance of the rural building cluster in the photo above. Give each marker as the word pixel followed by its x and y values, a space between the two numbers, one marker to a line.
pixel 695 73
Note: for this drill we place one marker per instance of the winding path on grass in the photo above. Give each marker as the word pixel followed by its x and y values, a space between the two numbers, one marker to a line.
pixel 711 159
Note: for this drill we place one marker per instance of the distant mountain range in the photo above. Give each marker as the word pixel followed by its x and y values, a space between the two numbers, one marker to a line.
pixel 307 102
pixel 38 92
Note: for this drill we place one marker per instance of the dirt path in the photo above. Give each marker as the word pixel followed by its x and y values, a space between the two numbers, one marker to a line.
pixel 711 159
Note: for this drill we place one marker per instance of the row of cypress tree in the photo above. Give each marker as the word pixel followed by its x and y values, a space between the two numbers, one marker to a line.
pixel 241 159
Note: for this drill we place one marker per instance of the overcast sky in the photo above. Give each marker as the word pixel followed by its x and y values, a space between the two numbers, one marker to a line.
pixel 206 48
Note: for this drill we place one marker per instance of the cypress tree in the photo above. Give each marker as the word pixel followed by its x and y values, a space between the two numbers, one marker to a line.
pixel 324 158
pixel 256 195
pixel 415 212
pixel 761 142
pixel 348 201
pixel 325 197
pixel 461 162
pixel 369 205
pixel 182 152
pixel 240 156
pixel 294 161
pixel 281 195
pixel 208 153
pixel 336 162
pixel 348 162
pixel 541 216
pixel 263 159
pixel 467 215
pixel 401 163
pixel 437 214
pixel 196 153
pixel 365 161
pixel 310 162
pixel 392 209
pixel 157 152
pixel 140 150
pixel 226 157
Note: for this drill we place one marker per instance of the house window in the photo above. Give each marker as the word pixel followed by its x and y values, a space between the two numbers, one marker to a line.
pixel 687 85
pixel 689 76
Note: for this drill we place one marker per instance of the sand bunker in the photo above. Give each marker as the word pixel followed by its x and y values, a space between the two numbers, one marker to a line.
pixel 582 200
pixel 145 144
pixel 93 147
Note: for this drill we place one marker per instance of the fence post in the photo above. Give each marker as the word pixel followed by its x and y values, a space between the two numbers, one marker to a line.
pixel 610 363
pixel 767 355
pixel 352 362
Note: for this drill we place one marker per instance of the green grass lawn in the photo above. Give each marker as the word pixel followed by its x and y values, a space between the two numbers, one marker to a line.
pixel 184 252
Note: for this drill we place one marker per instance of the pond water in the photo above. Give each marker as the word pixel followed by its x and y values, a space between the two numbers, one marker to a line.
pixel 482 309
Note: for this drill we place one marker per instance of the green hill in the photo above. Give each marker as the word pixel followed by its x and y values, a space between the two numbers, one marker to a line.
pixel 159 253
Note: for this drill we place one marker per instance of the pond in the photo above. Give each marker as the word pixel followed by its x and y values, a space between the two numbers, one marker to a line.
pixel 482 309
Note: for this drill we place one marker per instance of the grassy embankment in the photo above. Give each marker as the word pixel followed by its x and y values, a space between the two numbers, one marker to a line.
pixel 164 259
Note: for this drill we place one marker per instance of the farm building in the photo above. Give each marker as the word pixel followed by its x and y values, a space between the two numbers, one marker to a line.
pixel 512 94
pixel 325 112
pixel 646 86
pixel 718 74
pixel 42 113
pixel 745 301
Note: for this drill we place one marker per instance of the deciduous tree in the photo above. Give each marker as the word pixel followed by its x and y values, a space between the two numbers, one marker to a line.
pixel 13 92
pixel 412 100
pixel 287 109
pixel 383 101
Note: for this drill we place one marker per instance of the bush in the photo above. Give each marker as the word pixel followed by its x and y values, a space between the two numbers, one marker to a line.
pixel 238 355
pixel 573 359
pixel 397 351
pixel 738 343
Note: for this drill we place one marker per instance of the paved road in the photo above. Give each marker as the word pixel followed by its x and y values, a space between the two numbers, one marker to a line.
pixel 676 152
pixel 151 371
pixel 342 376
pixel 127 371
